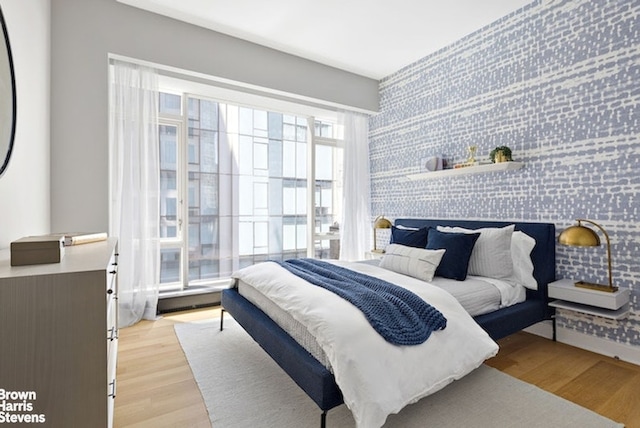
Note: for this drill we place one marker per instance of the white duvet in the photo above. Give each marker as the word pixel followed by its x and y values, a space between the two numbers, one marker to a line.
pixel 377 378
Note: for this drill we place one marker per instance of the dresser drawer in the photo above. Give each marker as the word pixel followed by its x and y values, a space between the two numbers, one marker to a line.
pixel 112 322
pixel 111 382
pixel 112 274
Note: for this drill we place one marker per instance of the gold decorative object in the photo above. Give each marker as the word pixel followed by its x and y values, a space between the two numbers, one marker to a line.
pixel 472 153
pixel 379 223
pixel 581 236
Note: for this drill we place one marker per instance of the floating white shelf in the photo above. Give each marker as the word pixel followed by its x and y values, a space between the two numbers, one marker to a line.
pixel 618 314
pixel 478 169
pixel 593 302
pixel 565 290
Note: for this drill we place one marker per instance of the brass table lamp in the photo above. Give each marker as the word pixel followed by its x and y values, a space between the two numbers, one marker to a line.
pixel 379 223
pixel 581 236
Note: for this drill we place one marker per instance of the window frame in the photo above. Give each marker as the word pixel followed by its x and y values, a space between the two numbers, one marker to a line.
pixel 334 143
pixel 181 241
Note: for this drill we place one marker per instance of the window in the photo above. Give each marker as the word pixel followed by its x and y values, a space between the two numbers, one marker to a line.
pixel 328 190
pixel 241 185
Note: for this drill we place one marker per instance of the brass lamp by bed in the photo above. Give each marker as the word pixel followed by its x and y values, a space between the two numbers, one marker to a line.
pixel 379 223
pixel 582 236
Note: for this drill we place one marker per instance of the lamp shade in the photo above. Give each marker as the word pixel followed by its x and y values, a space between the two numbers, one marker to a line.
pixel 382 223
pixel 579 236
pixel 379 223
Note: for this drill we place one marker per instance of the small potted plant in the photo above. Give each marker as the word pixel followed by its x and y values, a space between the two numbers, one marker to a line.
pixel 500 154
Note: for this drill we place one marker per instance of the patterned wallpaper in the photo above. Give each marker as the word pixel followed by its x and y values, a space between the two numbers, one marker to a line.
pixel 559 83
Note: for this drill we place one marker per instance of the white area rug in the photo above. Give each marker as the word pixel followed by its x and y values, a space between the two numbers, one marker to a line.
pixel 243 387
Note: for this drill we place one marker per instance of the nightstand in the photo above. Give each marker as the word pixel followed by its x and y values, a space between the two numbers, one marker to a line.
pixel 593 302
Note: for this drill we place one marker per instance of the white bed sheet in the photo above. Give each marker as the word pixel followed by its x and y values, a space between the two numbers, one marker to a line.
pixel 375 387
pixel 295 329
pixel 478 294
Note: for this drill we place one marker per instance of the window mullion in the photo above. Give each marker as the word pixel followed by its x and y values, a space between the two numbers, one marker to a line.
pixel 183 183
pixel 311 188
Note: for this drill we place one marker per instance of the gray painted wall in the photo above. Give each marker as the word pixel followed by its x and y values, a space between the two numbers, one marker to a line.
pixel 24 187
pixel 85 32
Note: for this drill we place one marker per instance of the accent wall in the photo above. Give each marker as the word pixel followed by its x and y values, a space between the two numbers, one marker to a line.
pixel 559 83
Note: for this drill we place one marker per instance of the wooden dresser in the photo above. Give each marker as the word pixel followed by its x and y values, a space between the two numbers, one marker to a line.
pixel 59 338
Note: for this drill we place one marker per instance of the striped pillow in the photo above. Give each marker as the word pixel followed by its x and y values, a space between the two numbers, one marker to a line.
pixel 491 256
pixel 416 262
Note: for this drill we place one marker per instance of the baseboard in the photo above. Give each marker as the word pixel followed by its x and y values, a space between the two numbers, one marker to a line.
pixel 599 345
pixel 188 301
pixel 621 351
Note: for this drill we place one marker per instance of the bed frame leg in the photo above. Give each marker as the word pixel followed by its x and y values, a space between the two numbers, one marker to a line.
pixel 323 419
pixel 221 319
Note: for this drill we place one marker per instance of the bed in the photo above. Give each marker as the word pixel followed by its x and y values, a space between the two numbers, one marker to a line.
pixel 319 382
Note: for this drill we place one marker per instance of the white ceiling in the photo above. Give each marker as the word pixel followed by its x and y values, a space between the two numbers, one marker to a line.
pixel 373 38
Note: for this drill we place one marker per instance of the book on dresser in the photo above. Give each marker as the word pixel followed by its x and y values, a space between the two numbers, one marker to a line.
pixel 42 249
pixel 34 250
pixel 78 238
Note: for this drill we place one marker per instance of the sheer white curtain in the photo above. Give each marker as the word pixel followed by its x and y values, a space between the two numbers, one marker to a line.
pixel 356 210
pixel 134 188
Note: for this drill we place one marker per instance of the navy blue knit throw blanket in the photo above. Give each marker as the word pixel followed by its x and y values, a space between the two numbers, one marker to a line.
pixel 397 314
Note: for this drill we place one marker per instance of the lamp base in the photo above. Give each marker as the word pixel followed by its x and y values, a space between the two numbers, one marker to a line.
pixel 598 287
pixel 379 251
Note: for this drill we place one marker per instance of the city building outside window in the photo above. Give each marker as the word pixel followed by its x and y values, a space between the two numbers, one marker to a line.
pixel 240 185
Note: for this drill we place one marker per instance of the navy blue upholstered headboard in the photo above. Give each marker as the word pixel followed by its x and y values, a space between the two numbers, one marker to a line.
pixel 543 254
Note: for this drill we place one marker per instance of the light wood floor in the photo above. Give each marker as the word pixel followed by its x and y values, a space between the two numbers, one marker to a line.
pixel 156 388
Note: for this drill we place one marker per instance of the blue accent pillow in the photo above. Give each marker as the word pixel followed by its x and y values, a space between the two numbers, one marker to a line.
pixel 458 246
pixel 409 237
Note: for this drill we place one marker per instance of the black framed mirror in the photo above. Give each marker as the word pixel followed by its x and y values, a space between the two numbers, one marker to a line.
pixel 7 98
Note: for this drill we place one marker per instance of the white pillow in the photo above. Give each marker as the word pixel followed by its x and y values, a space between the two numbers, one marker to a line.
pixel 491 256
pixel 521 247
pixel 416 262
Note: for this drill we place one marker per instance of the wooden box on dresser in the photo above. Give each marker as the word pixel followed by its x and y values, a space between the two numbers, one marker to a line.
pixel 59 338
